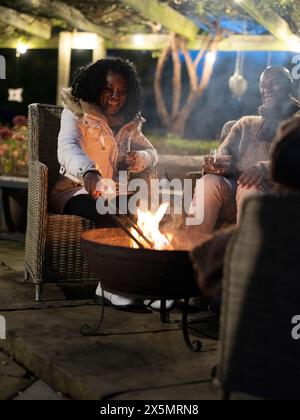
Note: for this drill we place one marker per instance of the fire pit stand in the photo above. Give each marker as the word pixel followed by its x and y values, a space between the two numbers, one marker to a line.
pixel 194 346
pixel 140 274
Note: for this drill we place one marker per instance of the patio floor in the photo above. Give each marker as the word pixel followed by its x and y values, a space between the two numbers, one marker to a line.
pixel 138 358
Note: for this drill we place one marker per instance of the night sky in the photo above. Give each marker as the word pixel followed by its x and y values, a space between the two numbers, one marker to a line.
pixel 36 71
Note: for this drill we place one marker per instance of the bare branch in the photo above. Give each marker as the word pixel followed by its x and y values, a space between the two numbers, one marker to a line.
pixel 175 46
pixel 160 102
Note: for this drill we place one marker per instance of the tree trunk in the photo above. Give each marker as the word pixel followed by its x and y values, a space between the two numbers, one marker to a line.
pixel 179 122
pixel 160 102
pixel 176 122
pixel 177 88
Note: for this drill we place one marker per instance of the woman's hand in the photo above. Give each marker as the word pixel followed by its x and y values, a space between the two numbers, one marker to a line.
pixel 253 176
pixel 131 160
pixel 90 181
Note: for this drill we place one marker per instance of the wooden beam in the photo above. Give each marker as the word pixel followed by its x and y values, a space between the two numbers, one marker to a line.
pixel 64 63
pixel 60 10
pixel 99 51
pixel 158 42
pixel 269 19
pixel 10 42
pixel 232 43
pixel 165 15
pixel 26 23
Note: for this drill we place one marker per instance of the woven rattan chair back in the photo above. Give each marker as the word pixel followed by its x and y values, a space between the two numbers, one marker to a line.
pixel 261 292
pixel 52 252
pixel 44 126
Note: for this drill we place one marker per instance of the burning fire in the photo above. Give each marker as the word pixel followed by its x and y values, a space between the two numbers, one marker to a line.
pixel 149 224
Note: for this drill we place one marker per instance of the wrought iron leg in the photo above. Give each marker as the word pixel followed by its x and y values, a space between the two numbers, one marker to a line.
pixel 88 331
pixel 195 345
pixel 164 314
pixel 38 292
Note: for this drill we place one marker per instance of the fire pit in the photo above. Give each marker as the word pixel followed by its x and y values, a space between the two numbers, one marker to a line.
pixel 140 273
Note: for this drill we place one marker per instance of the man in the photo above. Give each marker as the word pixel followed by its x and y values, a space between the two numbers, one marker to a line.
pixel 249 146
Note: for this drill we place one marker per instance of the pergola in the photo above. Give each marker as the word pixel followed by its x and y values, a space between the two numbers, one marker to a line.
pixel 129 24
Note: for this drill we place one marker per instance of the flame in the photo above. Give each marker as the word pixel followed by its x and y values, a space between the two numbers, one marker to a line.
pixel 149 223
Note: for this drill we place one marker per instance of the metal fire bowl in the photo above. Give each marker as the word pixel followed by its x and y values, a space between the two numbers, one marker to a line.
pixel 137 273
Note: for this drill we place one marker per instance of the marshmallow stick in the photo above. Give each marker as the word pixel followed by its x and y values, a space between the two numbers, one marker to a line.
pixel 215 156
pixel 129 145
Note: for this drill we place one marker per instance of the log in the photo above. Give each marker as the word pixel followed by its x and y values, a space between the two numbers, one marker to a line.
pixel 26 23
pixel 269 19
pixel 57 9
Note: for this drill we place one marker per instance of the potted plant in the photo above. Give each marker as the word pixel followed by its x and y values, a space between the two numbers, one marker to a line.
pixel 13 165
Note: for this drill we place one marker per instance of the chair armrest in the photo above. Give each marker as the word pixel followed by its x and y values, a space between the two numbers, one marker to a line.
pixel 36 217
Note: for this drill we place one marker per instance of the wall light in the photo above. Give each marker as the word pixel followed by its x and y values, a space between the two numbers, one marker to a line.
pixel 139 40
pixel 21 48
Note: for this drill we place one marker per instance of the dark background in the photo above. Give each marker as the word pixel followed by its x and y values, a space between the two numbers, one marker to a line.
pixel 36 72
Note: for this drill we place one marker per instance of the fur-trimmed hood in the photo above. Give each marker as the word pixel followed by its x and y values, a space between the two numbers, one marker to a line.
pixel 81 108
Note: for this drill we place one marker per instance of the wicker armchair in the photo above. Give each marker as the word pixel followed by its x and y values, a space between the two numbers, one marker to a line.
pixel 261 293
pixel 52 252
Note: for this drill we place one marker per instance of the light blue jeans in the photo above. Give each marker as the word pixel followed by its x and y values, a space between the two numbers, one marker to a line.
pixel 222 201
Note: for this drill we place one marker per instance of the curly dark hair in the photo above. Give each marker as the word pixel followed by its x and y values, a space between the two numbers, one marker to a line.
pixel 90 80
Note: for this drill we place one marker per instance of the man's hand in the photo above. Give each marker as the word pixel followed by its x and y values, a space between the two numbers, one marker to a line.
pixel 253 176
pixel 213 169
pixel 90 181
pixel 217 166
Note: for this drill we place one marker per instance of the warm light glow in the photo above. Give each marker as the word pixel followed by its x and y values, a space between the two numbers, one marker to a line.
pixel 149 223
pixel 84 41
pixel 294 43
pixel 22 48
pixel 211 57
pixel 139 40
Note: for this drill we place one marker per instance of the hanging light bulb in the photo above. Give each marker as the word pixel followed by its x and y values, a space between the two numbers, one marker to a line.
pixel 237 82
pixel 238 85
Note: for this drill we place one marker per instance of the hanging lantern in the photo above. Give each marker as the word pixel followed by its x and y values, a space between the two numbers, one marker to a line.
pixel 237 83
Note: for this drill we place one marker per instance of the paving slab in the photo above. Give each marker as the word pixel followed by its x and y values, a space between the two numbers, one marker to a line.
pixel 137 353
pixel 39 391
pixel 13 378
pixel 137 358
pixel 12 255
pixel 17 294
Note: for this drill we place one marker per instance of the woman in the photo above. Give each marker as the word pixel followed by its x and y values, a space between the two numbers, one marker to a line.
pixel 249 146
pixel 100 134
